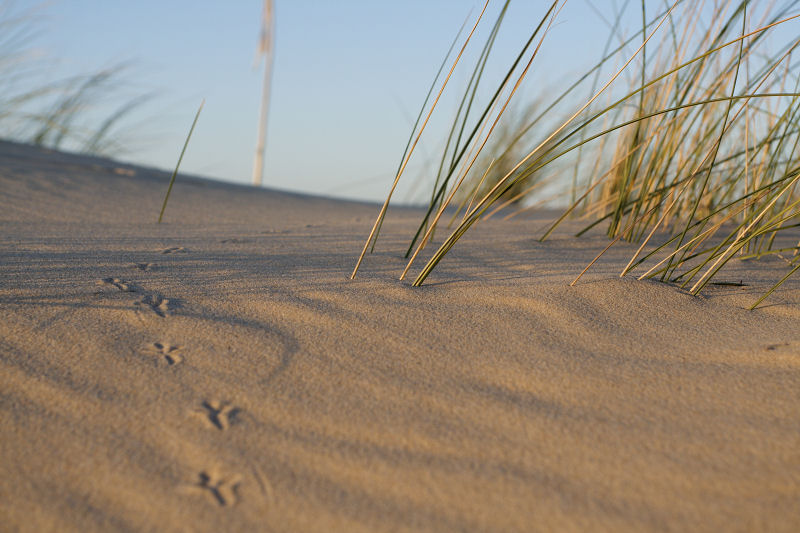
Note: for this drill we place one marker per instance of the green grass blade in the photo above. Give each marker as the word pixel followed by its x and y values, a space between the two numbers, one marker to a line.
pixel 180 158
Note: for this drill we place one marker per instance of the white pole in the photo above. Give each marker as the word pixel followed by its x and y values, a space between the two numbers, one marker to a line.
pixel 265 49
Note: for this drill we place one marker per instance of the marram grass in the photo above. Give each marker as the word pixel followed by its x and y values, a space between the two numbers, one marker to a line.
pixel 690 148
pixel 70 113
pixel 180 158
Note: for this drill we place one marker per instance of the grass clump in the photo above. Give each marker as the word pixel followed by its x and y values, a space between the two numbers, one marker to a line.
pixel 689 147
pixel 80 113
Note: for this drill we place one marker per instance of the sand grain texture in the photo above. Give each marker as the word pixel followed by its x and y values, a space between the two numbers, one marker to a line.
pixel 219 372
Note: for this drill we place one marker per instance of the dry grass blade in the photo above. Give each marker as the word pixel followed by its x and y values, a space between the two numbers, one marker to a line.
pixel 408 157
pixel 477 152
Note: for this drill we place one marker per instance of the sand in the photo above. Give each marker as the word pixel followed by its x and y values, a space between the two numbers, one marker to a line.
pixel 220 372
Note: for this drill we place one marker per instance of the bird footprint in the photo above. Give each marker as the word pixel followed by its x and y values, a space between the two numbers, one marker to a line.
pixel 124 286
pixel 217 414
pixel 221 490
pixel 170 353
pixel 158 304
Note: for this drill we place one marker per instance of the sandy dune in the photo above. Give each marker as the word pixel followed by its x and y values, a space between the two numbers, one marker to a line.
pixel 219 372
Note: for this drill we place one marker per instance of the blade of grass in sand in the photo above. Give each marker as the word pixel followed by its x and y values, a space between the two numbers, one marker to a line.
pixel 477 128
pixel 465 106
pixel 180 158
pixel 477 152
pixel 766 294
pixel 699 196
pixel 408 157
pixel 421 112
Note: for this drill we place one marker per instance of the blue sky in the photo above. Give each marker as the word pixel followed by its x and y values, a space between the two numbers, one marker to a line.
pixel 349 77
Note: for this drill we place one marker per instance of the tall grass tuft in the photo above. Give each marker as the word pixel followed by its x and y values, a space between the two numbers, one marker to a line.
pixel 58 114
pixel 689 147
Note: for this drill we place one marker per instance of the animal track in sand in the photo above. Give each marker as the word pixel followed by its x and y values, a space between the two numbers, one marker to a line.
pixel 170 353
pixel 784 348
pixel 157 303
pixel 773 347
pixel 174 250
pixel 221 490
pixel 124 286
pixel 217 414
pixel 145 267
